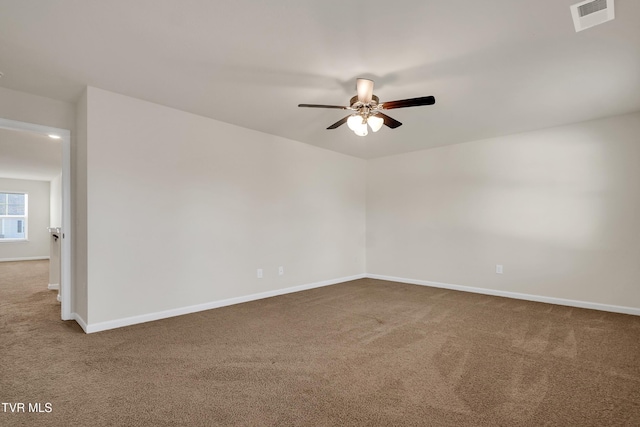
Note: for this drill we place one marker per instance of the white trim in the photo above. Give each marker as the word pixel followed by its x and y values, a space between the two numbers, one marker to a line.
pixel 67 232
pixel 28 258
pixel 53 286
pixel 65 254
pixel 516 295
pixel 119 323
pixel 79 320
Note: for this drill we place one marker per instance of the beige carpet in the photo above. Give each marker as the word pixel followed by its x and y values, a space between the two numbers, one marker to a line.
pixel 367 352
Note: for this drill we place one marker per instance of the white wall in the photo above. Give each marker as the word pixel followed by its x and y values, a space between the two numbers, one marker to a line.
pixel 55 203
pixel 559 208
pixel 29 108
pixel 183 209
pixel 79 298
pixel 37 244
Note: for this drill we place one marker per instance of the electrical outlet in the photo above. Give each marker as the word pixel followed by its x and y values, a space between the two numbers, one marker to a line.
pixel 281 271
pixel 259 273
pixel 498 268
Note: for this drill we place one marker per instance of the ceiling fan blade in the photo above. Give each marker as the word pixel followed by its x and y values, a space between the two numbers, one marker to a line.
pixel 339 123
pixel 322 106
pixel 389 121
pixel 364 87
pixel 413 102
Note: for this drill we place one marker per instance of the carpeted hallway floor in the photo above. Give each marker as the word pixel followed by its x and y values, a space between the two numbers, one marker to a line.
pixel 366 352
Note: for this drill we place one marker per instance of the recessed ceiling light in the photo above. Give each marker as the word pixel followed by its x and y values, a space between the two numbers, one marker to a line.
pixel 52 136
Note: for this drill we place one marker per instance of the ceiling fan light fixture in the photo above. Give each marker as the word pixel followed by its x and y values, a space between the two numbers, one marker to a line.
pixel 375 123
pixel 358 124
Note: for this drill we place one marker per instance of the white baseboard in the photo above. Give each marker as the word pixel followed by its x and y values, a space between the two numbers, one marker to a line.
pixel 119 323
pixel 80 321
pixel 53 286
pixel 550 300
pixel 29 258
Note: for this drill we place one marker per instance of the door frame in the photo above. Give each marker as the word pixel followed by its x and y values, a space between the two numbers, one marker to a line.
pixel 65 268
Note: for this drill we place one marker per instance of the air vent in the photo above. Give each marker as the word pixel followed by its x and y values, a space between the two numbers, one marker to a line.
pixel 593 7
pixel 590 13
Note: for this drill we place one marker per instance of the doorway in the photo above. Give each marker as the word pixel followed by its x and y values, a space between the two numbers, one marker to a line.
pixel 64 136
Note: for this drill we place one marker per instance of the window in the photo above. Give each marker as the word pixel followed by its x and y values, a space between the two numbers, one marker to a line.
pixel 13 216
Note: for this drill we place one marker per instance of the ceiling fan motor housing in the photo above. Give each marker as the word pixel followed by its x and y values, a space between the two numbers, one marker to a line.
pixel 374 101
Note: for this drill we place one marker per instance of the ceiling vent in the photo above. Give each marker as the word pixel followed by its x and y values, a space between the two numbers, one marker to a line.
pixel 590 13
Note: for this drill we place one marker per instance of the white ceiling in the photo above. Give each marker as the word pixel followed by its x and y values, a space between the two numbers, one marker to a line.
pixel 495 66
pixel 29 155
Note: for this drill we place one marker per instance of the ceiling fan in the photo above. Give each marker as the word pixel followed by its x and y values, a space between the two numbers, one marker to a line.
pixel 367 109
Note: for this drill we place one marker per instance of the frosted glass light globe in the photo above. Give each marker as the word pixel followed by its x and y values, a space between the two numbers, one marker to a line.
pixel 354 122
pixel 375 123
pixel 361 130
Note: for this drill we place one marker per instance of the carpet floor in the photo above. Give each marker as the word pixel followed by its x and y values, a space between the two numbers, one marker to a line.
pixel 361 353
